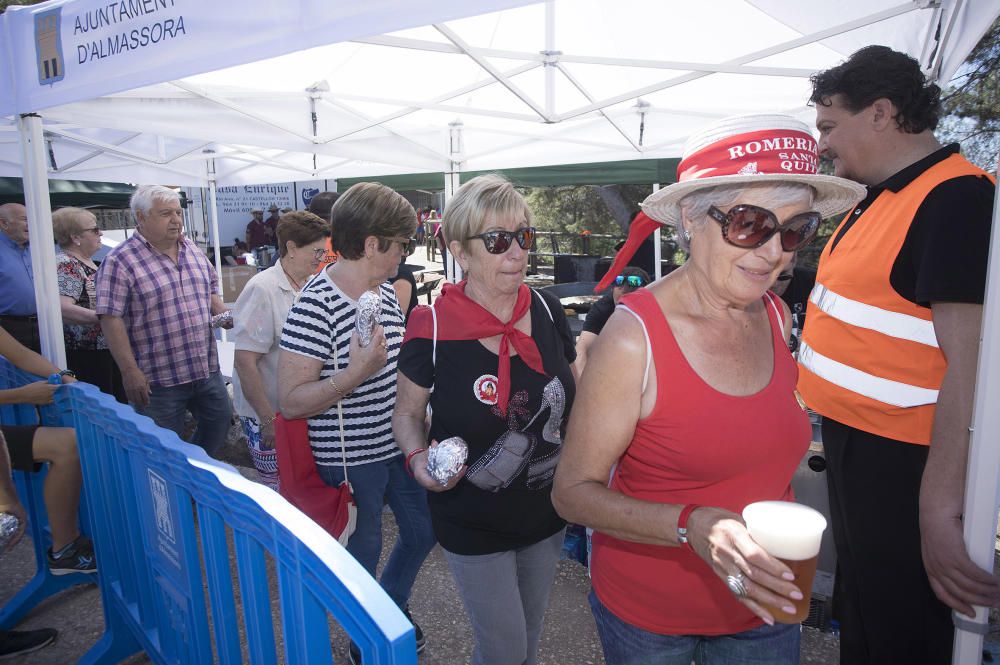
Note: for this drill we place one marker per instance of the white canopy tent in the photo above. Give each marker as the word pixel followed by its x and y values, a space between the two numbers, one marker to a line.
pixel 548 83
pixel 238 92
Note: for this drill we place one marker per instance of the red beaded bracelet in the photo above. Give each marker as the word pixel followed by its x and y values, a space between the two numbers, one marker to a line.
pixel 410 457
pixel 682 522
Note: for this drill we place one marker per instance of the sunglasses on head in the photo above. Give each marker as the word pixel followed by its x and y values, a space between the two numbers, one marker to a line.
pixel 749 226
pixel 498 242
pixel 632 280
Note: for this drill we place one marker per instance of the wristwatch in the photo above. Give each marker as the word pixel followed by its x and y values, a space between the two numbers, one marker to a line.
pixel 68 372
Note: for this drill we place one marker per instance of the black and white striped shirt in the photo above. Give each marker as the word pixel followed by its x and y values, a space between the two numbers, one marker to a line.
pixel 324 313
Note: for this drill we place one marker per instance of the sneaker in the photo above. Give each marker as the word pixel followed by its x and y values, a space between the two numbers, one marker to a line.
pixel 19 642
pixel 77 557
pixel 421 640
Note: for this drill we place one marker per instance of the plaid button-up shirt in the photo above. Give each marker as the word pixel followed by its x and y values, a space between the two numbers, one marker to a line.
pixel 166 307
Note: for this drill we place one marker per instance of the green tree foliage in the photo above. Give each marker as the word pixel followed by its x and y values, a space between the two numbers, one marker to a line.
pixel 972 102
pixel 598 209
pixel 4 4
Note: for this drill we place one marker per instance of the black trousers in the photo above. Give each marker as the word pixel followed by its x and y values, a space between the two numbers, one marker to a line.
pixel 99 368
pixel 887 610
pixel 24 329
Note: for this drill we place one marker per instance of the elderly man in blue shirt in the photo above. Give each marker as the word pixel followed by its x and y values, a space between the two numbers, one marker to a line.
pixel 17 285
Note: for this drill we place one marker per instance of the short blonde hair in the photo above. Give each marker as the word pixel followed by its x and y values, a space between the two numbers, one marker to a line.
pixel 68 222
pixel 491 194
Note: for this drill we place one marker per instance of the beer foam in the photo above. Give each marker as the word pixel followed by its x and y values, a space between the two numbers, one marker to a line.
pixel 786 530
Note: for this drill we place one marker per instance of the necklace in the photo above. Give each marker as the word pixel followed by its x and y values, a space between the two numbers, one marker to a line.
pixel 79 257
pixel 295 284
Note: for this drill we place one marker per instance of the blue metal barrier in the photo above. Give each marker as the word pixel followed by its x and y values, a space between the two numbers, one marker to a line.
pixel 30 491
pixel 168 524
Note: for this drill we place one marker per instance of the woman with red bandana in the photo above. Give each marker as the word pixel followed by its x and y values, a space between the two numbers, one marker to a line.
pixel 492 358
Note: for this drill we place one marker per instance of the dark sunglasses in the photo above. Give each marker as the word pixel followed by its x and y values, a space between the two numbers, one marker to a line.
pixel 498 242
pixel 632 280
pixel 408 245
pixel 750 226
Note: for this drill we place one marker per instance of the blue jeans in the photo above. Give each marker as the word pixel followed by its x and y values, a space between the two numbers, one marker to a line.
pixel 625 644
pixel 372 484
pixel 206 399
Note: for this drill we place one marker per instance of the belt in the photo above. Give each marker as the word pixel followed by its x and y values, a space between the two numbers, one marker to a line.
pixel 18 319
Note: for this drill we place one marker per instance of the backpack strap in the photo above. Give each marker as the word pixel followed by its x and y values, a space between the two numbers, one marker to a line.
pixel 544 304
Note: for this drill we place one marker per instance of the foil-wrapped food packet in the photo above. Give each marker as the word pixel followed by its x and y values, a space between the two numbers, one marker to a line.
pixel 9 526
pixel 446 459
pixel 367 317
pixel 223 319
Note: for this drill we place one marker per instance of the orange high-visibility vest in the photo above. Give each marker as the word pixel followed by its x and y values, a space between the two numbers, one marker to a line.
pixel 870 358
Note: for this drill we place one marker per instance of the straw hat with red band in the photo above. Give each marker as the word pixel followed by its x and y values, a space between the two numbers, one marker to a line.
pixel 739 150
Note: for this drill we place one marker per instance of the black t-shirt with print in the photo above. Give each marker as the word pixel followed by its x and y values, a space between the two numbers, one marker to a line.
pixel 504 501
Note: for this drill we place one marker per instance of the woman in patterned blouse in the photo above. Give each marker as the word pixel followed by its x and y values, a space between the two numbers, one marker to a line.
pixel 78 235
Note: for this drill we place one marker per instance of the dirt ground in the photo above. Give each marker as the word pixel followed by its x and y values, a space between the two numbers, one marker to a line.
pixel 569 637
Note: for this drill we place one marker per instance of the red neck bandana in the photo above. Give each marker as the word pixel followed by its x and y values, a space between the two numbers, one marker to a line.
pixel 461 318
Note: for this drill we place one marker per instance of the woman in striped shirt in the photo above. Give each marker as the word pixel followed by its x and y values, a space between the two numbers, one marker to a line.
pixel 323 366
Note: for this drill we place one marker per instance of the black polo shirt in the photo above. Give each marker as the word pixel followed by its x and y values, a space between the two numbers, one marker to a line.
pixel 945 253
pixel 599 314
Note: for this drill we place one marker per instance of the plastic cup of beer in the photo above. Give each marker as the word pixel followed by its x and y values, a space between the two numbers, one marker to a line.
pixel 792 533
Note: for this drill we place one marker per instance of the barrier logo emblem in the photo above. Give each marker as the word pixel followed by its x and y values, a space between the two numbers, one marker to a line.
pixel 161 506
pixel 48 46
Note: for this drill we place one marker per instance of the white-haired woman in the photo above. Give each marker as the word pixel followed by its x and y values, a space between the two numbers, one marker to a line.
pixel 79 237
pixel 697 373
pixel 493 361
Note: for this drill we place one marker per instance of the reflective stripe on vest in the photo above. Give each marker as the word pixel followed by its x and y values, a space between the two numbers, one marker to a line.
pixel 874 387
pixel 863 315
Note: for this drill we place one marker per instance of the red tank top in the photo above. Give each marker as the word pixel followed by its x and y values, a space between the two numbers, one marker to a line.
pixel 697 446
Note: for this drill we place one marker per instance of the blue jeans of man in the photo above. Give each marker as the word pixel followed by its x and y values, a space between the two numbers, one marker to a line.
pixel 207 400
pixel 372 484
pixel 625 644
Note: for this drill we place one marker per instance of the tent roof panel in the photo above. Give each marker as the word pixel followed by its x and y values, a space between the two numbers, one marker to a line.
pixel 393 95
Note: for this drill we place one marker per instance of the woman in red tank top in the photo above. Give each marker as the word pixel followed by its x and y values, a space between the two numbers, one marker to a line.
pixel 688 406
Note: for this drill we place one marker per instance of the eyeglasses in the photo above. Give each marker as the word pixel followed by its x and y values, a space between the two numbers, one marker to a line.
pixel 319 253
pixel 408 245
pixel 498 242
pixel 749 226
pixel 632 280
pixel 95 230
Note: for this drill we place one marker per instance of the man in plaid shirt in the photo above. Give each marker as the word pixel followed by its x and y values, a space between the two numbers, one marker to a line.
pixel 156 295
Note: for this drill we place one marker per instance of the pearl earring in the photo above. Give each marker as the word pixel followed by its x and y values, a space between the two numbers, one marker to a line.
pixel 77 243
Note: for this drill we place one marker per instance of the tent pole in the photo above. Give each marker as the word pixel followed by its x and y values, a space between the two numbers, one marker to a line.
pixel 981 480
pixel 214 212
pixel 657 248
pixel 42 245
pixel 550 47
pixel 452 181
